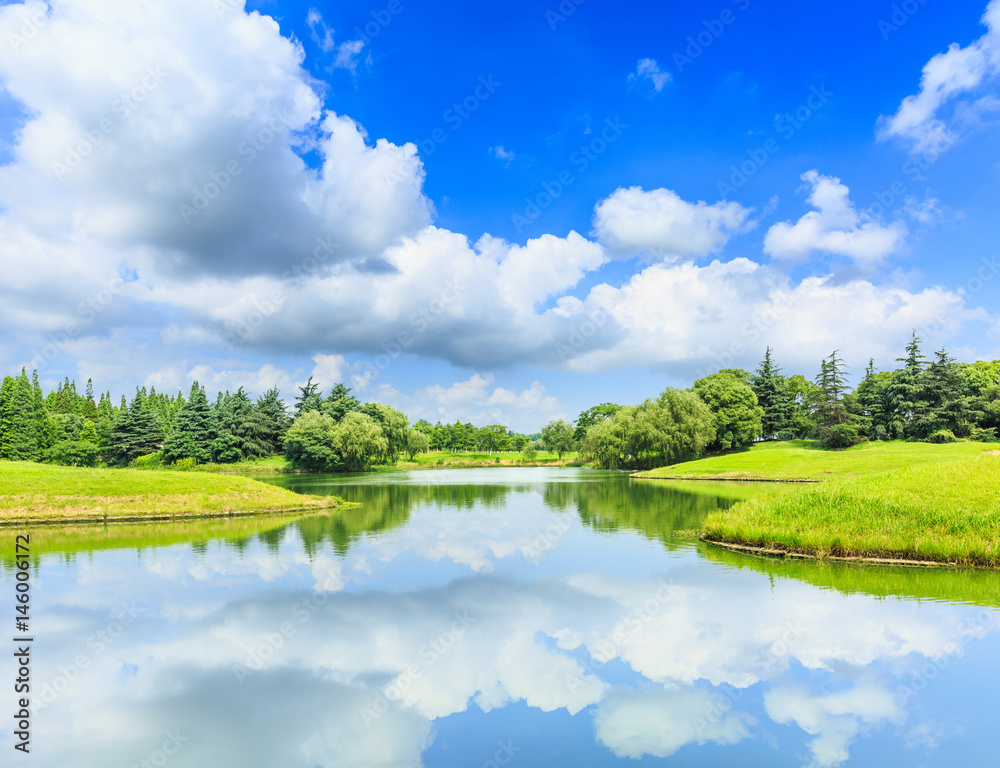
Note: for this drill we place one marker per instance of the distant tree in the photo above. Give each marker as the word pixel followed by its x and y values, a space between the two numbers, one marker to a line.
pixel 239 419
pixel 417 442
pixel 773 398
pixel 558 437
pixel 273 418
pixel 945 395
pixel 194 430
pixel 309 442
pixel 137 431
pixel 340 402
pixel 905 387
pixel 19 423
pixel 309 398
pixel 359 442
pixel 493 437
pixel 591 416
pixel 394 426
pixel 736 414
pixel 876 409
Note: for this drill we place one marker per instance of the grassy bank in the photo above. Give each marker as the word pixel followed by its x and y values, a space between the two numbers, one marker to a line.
pixel 431 460
pixel 937 511
pixel 47 493
pixel 808 460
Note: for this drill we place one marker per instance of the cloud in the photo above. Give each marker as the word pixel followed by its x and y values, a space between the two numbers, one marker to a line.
pixel 835 719
pixel 322 35
pixel 648 69
pixel 946 77
pixel 477 400
pixel 834 227
pixel 183 140
pixel 633 220
pixel 633 724
pixel 502 154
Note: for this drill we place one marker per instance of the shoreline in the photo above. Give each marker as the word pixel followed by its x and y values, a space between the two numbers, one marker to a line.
pixel 774 551
pixel 10 522
pixel 723 479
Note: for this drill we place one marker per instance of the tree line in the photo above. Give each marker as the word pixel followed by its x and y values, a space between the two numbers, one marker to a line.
pixel 332 432
pixel 934 400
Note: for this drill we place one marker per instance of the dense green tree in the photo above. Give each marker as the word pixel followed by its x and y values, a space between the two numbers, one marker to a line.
pixel 136 432
pixel 677 426
pixel 309 398
pixel 416 442
pixel 945 400
pixel 773 398
pixel 18 441
pixel 558 437
pixel 245 424
pixel 194 430
pixel 309 442
pixel 591 416
pixel 274 420
pixel 876 408
pixel 395 427
pixel 73 453
pixel 340 402
pixel 736 414
pixel 360 442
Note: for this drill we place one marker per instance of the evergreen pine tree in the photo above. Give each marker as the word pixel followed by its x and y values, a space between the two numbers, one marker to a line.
pixel 136 432
pixel 309 398
pixel 194 430
pixel 773 397
pixel 46 431
pixel 18 439
pixel 274 420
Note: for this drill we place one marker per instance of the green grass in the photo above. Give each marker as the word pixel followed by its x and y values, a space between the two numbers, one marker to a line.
pixel 43 492
pixel 941 511
pixel 808 460
pixel 266 465
pixel 436 459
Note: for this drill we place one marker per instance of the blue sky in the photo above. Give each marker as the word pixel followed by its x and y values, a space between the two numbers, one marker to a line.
pixel 528 208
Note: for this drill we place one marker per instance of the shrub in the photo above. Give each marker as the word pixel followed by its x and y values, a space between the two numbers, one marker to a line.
pixel 839 436
pixel 72 453
pixel 186 463
pixel 942 436
pixel 149 461
pixel 984 435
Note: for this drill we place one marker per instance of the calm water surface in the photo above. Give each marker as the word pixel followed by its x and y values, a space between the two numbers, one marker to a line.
pixel 521 617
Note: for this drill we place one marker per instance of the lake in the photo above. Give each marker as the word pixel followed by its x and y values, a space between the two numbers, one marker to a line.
pixel 495 617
